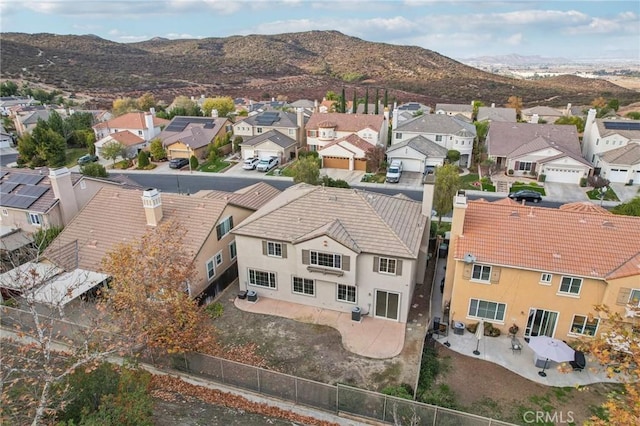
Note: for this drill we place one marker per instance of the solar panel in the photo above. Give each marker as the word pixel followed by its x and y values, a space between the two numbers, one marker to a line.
pixel 25 179
pixel 32 191
pixel 17 201
pixel 622 125
pixel 7 187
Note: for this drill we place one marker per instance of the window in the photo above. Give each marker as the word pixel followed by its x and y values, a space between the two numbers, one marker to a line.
pixel 387 266
pixel 304 286
pixel 581 324
pixel 524 166
pixel 312 133
pixel 218 258
pixel 346 293
pixel 487 310
pixel 570 285
pixel 274 249
pixel 258 130
pixel 481 273
pixel 438 138
pixel 211 268
pixel 262 279
pixel 233 252
pixel 398 135
pixel 139 132
pixel 292 132
pixel 224 227
pixel 545 278
pixel 634 299
pixel 35 219
pixel 5 212
pixel 328 260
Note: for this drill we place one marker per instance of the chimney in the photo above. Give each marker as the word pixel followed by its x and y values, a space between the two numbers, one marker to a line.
pixel 193 98
pixel 427 198
pixel 394 118
pixel 534 119
pixel 63 191
pixel 152 206
pixel 273 99
pixel 152 110
pixel 568 111
pixel 459 209
pixel 493 105
pixel 148 123
pixel 315 105
pixel 214 113
pixel 300 138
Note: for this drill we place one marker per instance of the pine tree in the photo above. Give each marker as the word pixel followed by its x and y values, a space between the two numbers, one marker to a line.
pixel 377 101
pixel 343 102
pixel 366 101
pixel 355 102
pixel 386 98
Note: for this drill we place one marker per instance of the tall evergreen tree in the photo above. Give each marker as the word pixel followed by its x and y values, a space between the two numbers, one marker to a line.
pixel 355 102
pixel 386 98
pixel 377 101
pixel 366 101
pixel 343 102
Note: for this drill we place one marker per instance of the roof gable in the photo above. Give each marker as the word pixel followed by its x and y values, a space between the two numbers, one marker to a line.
pixel 422 145
pixel 274 136
pixel 436 123
pixel 505 139
pixel 627 155
pixel 352 123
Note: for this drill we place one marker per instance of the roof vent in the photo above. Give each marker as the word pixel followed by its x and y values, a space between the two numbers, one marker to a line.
pixel 514 214
pixel 333 198
pixel 557 256
pixel 582 220
pixel 608 224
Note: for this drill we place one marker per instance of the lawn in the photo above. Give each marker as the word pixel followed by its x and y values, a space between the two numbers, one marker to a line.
pixel 609 195
pixel 282 171
pixel 467 181
pixel 214 166
pixel 73 154
pixel 374 178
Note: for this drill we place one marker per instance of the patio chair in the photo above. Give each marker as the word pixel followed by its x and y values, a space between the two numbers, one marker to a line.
pixel 578 362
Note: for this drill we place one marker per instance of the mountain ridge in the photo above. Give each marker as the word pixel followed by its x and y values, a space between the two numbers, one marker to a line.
pixel 290 65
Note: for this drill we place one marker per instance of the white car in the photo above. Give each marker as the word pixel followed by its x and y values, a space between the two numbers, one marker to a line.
pixel 267 164
pixel 250 163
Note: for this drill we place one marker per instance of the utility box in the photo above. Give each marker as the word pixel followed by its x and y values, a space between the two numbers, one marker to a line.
pixel 356 314
pixel 252 296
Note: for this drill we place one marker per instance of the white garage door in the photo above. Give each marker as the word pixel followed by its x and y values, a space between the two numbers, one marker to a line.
pixel 618 175
pixel 247 153
pixel 409 164
pixel 267 154
pixel 563 175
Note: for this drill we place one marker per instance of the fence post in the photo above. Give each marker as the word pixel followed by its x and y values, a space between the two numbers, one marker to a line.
pixel 384 409
pixel 258 376
pixel 222 371
pixel 337 398
pixel 435 417
pixel 295 382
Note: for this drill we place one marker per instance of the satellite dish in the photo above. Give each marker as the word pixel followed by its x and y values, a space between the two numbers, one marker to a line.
pixel 469 258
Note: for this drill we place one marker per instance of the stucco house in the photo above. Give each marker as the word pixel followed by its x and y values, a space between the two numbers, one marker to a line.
pixel 364 251
pixel 348 153
pixel 324 128
pixel 497 114
pixel 187 136
pixel 288 123
pixel 142 124
pixel 417 153
pixel 270 144
pixel 133 144
pixel 9 102
pixel 544 270
pixel 449 132
pixel 541 113
pixel 604 142
pixel 531 150
pixel 117 215
pixel 455 110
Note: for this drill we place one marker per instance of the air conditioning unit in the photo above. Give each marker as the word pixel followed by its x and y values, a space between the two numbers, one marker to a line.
pixel 469 258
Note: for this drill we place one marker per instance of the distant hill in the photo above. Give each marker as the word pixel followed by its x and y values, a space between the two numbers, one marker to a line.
pixel 295 65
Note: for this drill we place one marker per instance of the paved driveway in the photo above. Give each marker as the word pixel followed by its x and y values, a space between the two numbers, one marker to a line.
pixel 626 193
pixel 564 192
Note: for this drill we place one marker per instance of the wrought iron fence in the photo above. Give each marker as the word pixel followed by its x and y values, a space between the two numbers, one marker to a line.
pixel 331 398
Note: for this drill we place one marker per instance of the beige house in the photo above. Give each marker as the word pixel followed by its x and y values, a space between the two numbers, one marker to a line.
pixel 542 269
pixel 270 144
pixel 116 216
pixel 142 124
pixel 366 251
pixel 324 128
pixel 187 136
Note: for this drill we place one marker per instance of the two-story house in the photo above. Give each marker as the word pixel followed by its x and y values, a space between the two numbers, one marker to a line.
pixel 366 250
pixel 495 114
pixel 449 132
pixel 542 269
pixel 142 124
pixel 187 136
pixel 527 149
pixel 290 124
pixel 612 145
pixel 456 110
pixel 117 216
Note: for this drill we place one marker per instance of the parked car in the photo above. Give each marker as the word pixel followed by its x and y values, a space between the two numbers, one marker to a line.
pixel 250 163
pixel 86 159
pixel 267 164
pixel 527 195
pixel 178 163
pixel 394 171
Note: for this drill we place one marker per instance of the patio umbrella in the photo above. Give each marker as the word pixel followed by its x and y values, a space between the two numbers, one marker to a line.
pixel 550 349
pixel 479 335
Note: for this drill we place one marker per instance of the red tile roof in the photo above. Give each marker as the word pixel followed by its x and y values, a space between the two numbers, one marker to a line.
pixel 131 120
pixel 345 122
pixel 569 241
pixel 126 138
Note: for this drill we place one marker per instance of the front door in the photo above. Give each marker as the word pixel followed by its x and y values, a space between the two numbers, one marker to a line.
pixel 387 304
pixel 541 323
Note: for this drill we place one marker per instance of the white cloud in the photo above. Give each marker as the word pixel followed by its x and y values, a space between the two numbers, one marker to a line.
pixel 627 22
pixel 174 36
pixel 514 40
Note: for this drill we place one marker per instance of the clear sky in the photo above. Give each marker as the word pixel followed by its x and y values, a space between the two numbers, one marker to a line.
pixel 588 29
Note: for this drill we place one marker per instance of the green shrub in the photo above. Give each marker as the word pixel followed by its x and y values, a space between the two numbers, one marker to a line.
pixel 402 391
pixel 335 183
pixel 193 162
pixel 94 170
pixel 214 310
pixel 123 164
pixel 143 159
pixel 583 182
